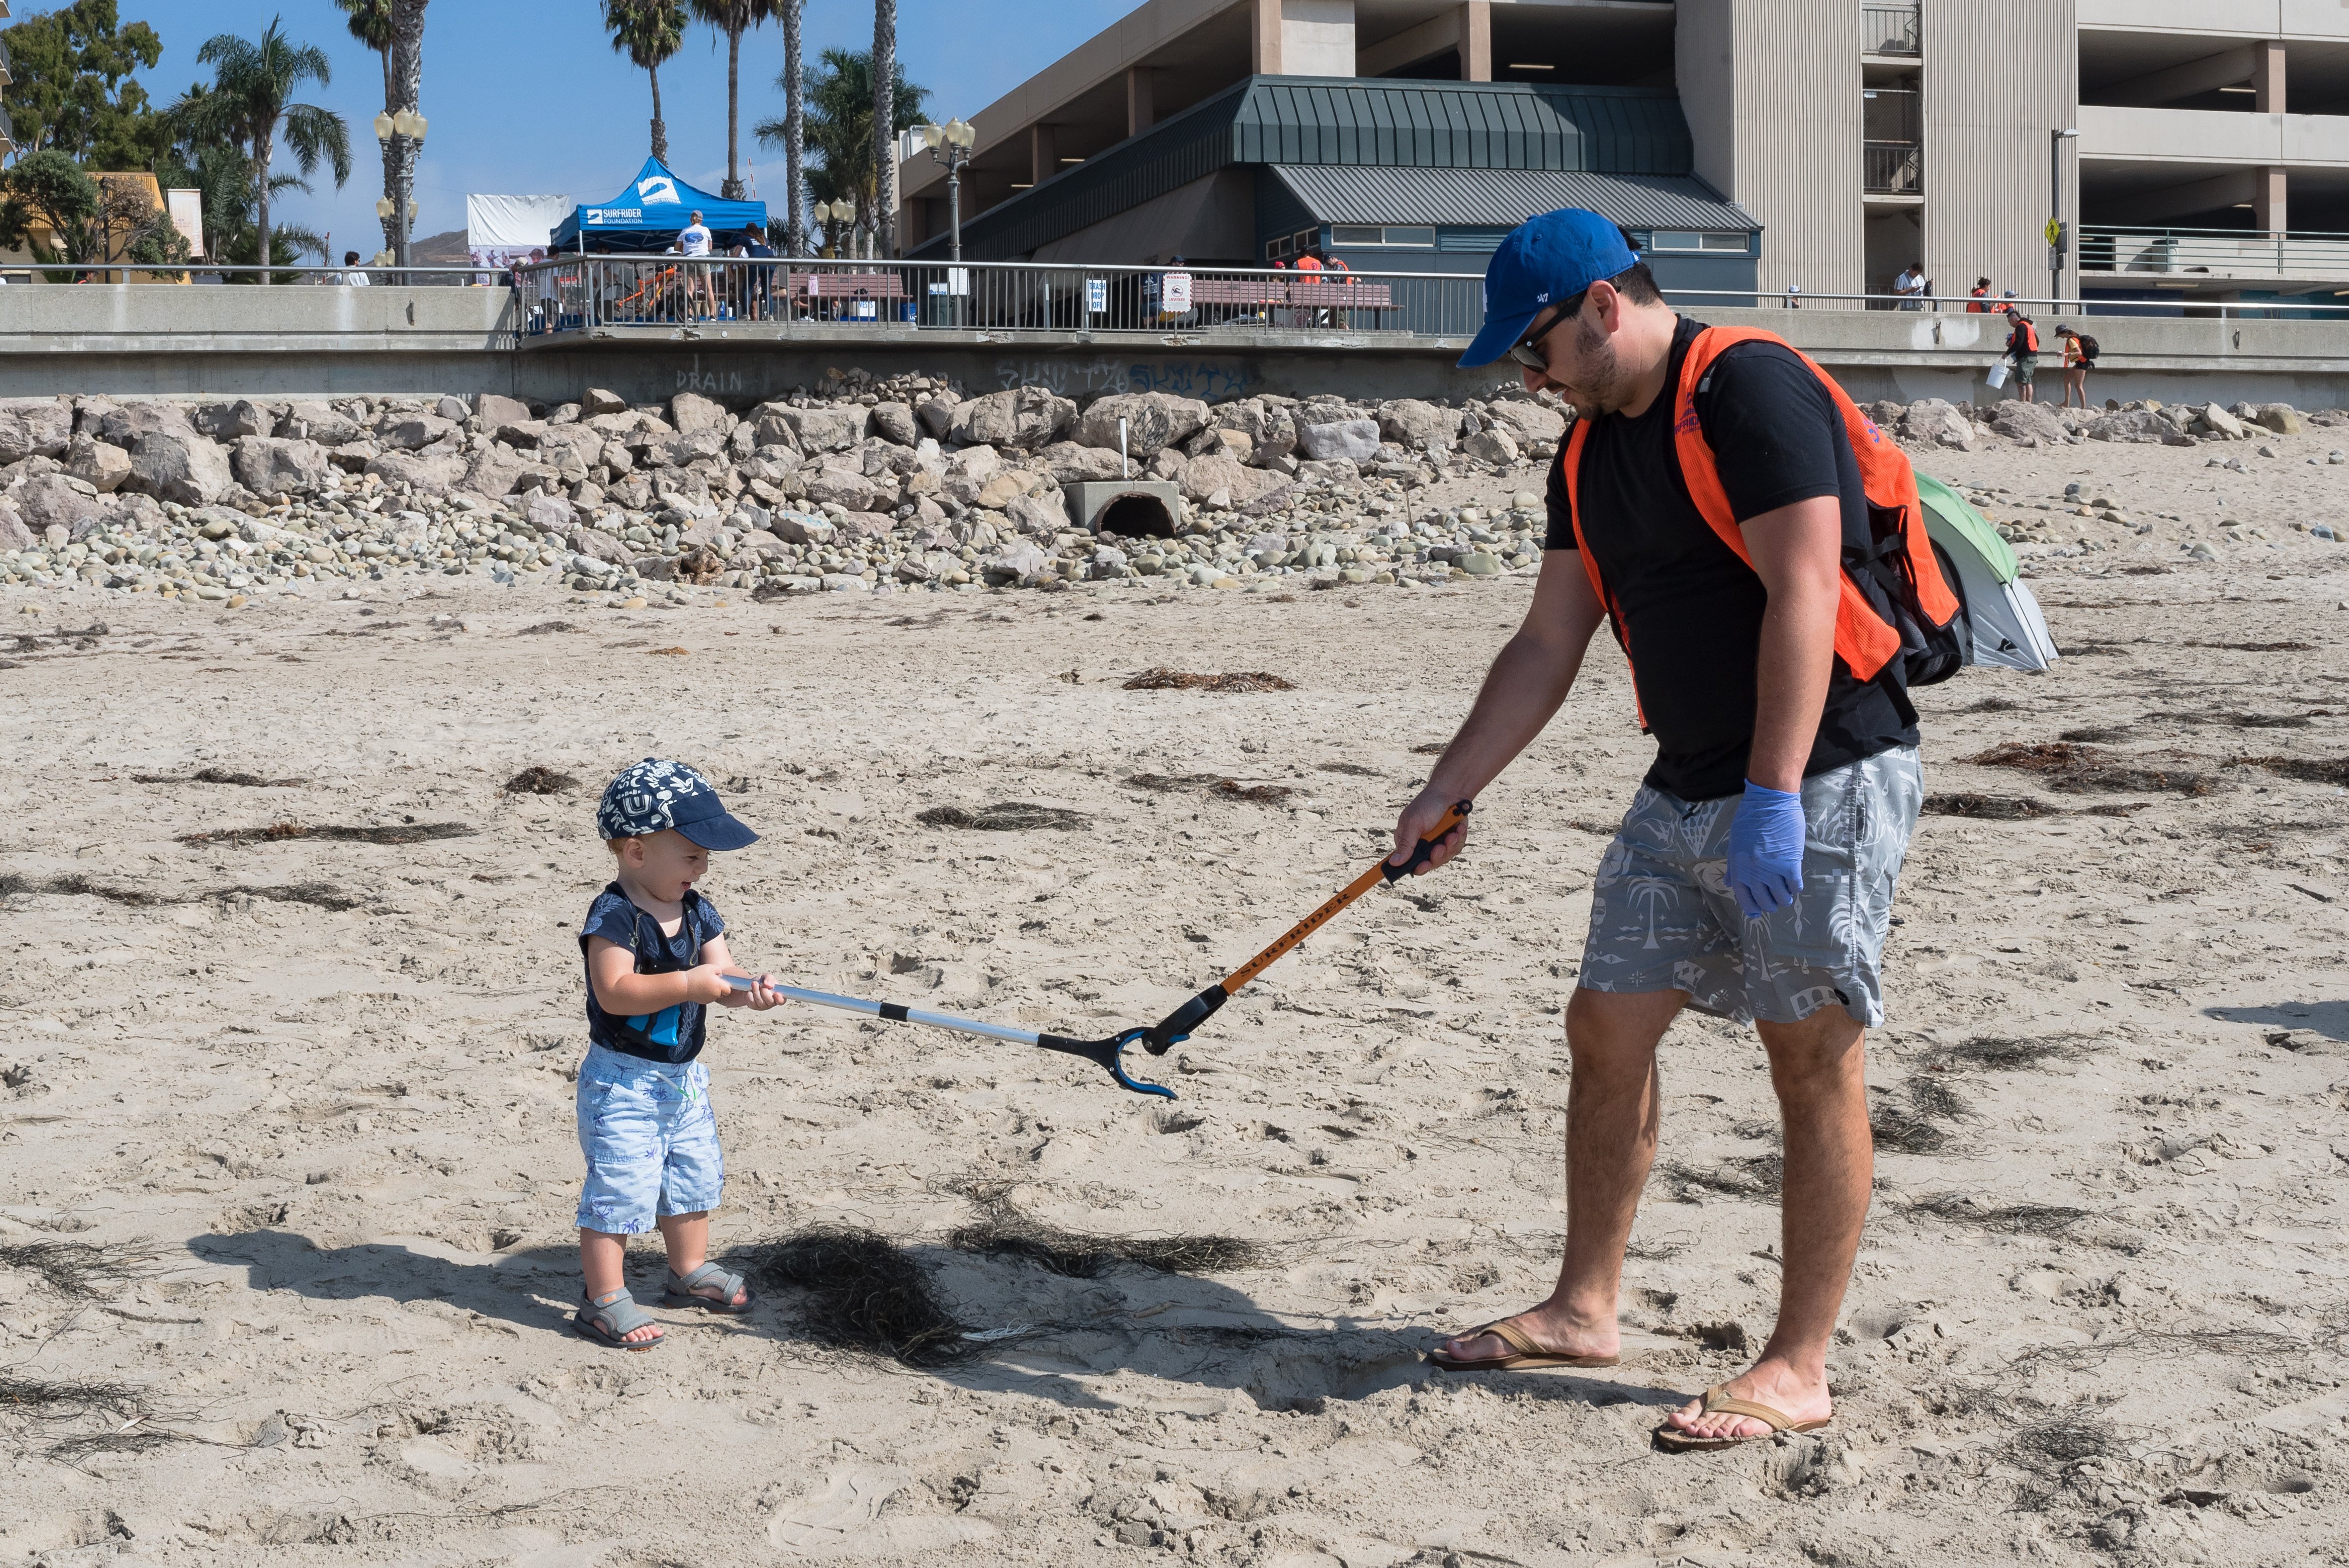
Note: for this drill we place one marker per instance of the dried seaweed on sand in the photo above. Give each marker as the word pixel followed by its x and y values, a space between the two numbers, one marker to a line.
pixel 1003 1228
pixel 396 833
pixel 1005 816
pixel 1164 679
pixel 1210 784
pixel 539 779
pixel 864 1294
pixel 87 1269
pixel 2075 769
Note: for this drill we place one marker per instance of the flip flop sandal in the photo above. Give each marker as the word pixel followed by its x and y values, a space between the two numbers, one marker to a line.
pixel 682 1291
pixel 1671 1440
pixel 1524 1355
pixel 610 1320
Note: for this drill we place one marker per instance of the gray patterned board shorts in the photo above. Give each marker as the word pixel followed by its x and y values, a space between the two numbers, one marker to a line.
pixel 1662 917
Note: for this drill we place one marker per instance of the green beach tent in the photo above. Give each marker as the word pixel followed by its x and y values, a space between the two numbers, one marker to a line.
pixel 2007 626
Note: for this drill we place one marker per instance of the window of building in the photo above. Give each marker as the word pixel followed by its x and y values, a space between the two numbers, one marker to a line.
pixel 1306 239
pixel 1697 240
pixel 1361 234
pixel 1276 250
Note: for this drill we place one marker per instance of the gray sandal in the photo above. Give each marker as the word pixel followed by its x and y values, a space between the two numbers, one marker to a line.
pixel 682 1291
pixel 610 1320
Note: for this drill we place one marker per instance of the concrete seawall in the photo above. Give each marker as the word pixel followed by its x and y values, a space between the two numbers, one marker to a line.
pixel 133 340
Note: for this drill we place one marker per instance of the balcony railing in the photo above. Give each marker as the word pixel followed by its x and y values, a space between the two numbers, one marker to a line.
pixel 1894 169
pixel 1890 30
pixel 2216 253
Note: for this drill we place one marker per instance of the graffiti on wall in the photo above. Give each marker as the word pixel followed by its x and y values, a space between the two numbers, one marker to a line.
pixel 708 383
pixel 1068 376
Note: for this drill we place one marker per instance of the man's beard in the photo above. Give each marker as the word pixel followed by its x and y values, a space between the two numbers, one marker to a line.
pixel 1598 371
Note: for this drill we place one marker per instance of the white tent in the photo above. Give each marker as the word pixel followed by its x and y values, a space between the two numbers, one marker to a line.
pixel 502 230
pixel 2004 617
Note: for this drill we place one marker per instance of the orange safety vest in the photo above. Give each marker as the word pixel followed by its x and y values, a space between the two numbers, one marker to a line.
pixel 1866 638
pixel 2030 334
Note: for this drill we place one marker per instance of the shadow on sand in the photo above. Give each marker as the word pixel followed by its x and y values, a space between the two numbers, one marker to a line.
pixel 1188 1343
pixel 2329 1019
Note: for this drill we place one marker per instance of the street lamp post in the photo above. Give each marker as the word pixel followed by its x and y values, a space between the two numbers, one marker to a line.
pixel 391 128
pixel 950 144
pixel 2057 232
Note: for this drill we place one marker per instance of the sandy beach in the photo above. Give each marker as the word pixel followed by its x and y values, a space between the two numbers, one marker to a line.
pixel 311 1095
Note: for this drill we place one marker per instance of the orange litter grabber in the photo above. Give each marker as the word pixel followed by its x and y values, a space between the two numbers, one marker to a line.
pixel 1176 1025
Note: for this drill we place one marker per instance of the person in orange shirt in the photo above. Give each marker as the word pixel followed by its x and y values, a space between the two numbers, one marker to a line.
pixel 1979 292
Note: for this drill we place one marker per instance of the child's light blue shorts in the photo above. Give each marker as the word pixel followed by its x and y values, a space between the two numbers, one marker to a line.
pixel 650 1138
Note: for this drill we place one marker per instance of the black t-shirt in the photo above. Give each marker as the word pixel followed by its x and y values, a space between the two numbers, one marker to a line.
pixel 1691 611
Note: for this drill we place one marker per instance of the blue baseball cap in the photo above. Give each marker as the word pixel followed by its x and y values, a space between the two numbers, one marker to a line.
pixel 655 795
pixel 1545 260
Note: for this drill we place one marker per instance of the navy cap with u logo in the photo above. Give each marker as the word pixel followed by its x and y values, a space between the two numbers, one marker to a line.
pixel 656 795
pixel 1544 260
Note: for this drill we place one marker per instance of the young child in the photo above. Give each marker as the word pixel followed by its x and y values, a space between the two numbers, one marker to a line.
pixel 656 955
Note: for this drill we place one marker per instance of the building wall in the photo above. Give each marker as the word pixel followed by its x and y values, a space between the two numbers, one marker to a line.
pixel 1771 89
pixel 1999 76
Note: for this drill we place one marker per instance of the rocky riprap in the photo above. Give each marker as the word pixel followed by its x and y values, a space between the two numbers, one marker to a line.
pixel 903 484
pixel 911 483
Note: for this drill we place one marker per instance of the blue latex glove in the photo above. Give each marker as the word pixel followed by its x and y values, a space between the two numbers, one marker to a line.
pixel 1766 850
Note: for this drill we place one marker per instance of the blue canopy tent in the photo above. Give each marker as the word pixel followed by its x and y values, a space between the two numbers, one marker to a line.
pixel 652 211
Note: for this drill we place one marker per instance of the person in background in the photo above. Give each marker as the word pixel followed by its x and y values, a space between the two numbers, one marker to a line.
pixel 2022 350
pixel 2078 354
pixel 695 242
pixel 760 290
pixel 1976 295
pixel 1911 287
pixel 353 276
pixel 2006 303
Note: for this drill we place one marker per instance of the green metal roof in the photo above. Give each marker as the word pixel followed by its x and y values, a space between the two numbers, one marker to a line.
pixel 1347 121
pixel 1504 198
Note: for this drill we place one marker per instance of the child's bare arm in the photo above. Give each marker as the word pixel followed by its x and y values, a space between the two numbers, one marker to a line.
pixel 715 955
pixel 621 991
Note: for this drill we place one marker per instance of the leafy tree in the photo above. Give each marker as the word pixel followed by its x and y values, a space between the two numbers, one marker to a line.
pixel 650 32
pixel 250 103
pixel 88 220
pixel 394 29
pixel 734 18
pixel 72 91
pixel 840 128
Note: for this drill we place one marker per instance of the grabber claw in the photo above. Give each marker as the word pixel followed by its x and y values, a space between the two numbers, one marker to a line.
pixel 1111 1054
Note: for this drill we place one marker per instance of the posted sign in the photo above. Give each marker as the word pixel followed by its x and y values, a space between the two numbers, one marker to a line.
pixel 1175 295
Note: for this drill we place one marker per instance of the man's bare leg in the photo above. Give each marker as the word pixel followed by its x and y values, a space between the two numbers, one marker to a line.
pixel 1612 1111
pixel 1818 1067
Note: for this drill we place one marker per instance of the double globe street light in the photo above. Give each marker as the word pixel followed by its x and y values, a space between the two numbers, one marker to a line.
pixel 411 125
pixel 950 144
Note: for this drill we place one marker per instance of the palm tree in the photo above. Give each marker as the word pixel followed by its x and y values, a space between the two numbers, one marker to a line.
pixel 370 24
pixel 733 18
pixel 839 127
pixel 407 85
pixel 650 32
pixel 795 86
pixel 250 102
pixel 885 117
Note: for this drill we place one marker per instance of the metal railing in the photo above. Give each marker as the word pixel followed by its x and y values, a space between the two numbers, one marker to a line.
pixel 1893 169
pixel 2229 254
pixel 614 294
pixel 201 272
pixel 1890 30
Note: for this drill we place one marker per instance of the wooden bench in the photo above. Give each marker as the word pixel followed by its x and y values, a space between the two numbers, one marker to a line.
pixel 1328 294
pixel 1237 291
pixel 849 285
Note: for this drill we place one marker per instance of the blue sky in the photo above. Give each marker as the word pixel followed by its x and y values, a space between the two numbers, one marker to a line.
pixel 526 97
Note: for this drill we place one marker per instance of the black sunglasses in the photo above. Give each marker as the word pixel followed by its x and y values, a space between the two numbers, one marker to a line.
pixel 1525 353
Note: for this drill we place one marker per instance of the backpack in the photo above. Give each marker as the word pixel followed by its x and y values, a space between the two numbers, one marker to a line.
pixel 1896 601
pixel 2088 349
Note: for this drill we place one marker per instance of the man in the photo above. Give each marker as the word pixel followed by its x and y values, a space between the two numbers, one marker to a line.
pixel 762 278
pixel 1752 876
pixel 1911 287
pixel 694 242
pixel 2023 348
pixel 351 277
